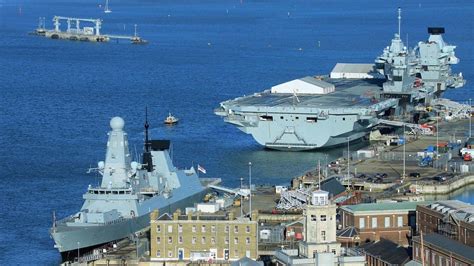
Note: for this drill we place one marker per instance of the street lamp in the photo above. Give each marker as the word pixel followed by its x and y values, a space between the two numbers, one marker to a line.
pixel 348 160
pixel 404 143
pixel 470 122
pixel 250 189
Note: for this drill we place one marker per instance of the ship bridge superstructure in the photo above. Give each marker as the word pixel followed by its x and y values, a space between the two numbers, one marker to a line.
pixel 129 191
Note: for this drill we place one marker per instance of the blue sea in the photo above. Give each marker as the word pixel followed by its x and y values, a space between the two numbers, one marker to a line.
pixel 57 97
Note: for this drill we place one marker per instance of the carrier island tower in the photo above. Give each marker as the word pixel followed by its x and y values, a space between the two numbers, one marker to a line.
pixel 324 111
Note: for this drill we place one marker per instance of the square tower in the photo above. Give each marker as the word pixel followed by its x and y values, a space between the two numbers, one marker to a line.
pixel 319 226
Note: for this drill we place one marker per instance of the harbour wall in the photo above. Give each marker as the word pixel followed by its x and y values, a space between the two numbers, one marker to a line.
pixel 445 188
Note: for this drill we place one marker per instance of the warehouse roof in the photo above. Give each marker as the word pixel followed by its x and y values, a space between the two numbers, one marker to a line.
pixel 384 206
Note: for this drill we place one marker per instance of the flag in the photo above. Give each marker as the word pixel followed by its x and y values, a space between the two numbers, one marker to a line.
pixel 201 169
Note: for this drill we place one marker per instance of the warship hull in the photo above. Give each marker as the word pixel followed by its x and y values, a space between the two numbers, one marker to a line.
pixel 71 239
pixel 328 133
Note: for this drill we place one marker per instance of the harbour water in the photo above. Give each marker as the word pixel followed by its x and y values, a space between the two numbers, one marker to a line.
pixel 56 97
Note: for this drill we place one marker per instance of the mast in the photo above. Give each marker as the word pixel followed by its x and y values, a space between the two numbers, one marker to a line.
pixel 147 142
pixel 399 21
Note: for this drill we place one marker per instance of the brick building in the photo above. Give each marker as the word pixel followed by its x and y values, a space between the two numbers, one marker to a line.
pixel 197 237
pixel 439 250
pixel 451 218
pixel 373 221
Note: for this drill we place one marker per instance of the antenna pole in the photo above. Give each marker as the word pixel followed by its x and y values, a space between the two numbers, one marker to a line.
pixel 147 144
pixel 399 21
pixel 319 174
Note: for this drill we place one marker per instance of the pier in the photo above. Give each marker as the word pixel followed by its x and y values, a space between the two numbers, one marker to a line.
pixel 74 32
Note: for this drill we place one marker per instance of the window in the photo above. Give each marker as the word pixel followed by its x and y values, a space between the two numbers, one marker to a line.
pixel 236 240
pixel 180 228
pixel 281 117
pixel 227 229
pixel 227 241
pixel 387 222
pixel 158 240
pixel 203 229
pixel 170 240
pixel 158 253
pixel 236 229
pixel 311 119
pixel 170 253
pixel 333 251
pixel 323 218
pixel 236 253
pixel 213 240
pixel 180 239
pixel 247 229
pixel 194 240
pixel 158 228
pixel 247 240
pixel 362 222
pixel 323 235
pixel 374 222
pixel 313 218
pixel 170 229
pixel 194 229
pixel 203 240
pixel 400 221
pixel 213 228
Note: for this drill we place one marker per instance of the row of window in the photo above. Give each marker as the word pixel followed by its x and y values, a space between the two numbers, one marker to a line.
pixel 236 253
pixel 322 218
pixel 442 260
pixel 203 228
pixel 203 240
pixel 387 222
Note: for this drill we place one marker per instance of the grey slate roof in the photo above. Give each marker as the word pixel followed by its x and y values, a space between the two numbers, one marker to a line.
pixel 333 186
pixel 387 251
pixel 449 245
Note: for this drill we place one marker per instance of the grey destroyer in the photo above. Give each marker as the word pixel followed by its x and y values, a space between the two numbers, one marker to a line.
pixel 129 191
pixel 324 111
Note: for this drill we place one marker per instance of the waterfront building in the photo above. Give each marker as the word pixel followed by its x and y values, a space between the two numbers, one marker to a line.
pixel 439 250
pixel 373 221
pixel 199 237
pixel 451 218
pixel 319 246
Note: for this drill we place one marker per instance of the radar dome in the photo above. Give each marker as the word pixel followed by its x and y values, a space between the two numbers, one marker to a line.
pixel 117 123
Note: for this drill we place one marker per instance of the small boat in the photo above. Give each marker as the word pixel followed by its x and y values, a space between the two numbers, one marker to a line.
pixel 171 120
pixel 106 9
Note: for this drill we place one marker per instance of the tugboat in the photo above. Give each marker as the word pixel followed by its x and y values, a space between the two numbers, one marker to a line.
pixel 171 120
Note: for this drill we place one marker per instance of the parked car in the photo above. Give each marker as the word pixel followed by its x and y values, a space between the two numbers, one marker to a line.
pixel 439 178
pixel 415 175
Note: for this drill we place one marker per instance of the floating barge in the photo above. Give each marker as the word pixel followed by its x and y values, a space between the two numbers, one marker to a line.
pixel 74 31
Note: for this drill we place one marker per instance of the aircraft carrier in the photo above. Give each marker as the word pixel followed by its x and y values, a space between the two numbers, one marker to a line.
pixel 324 111
pixel 129 191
